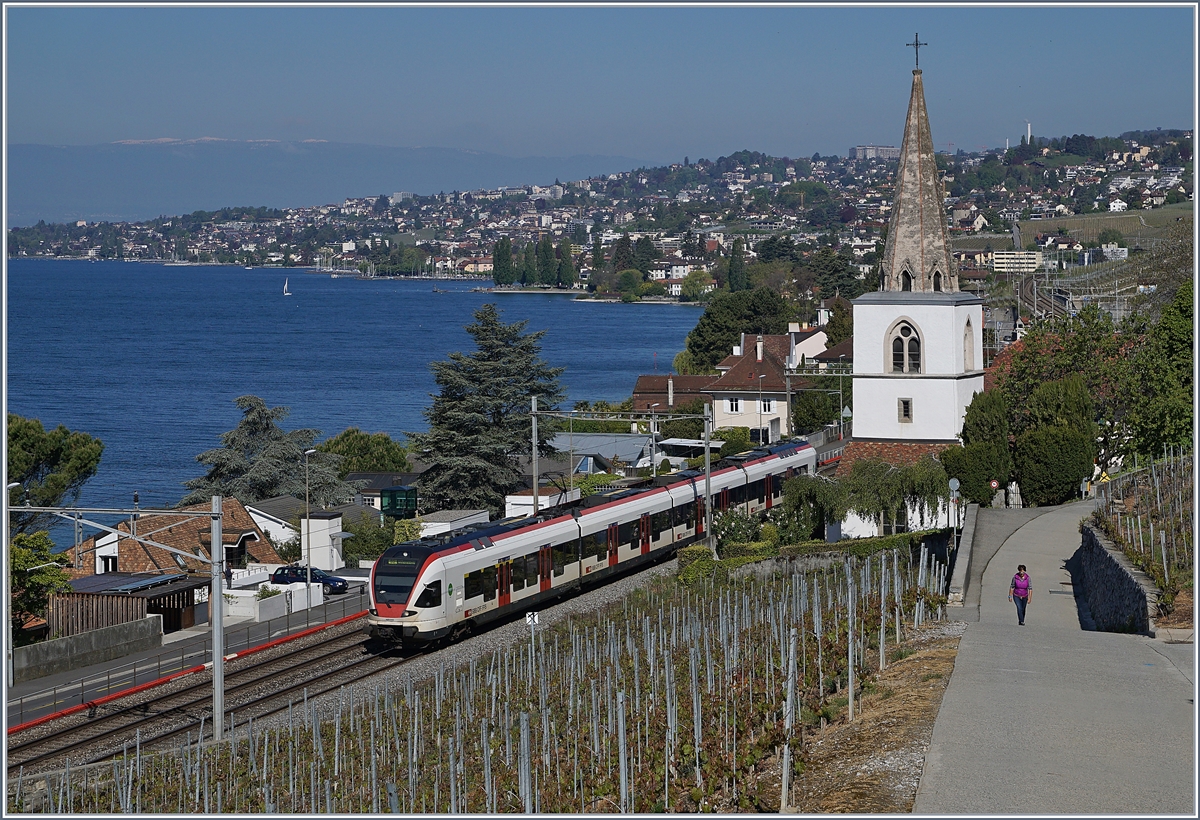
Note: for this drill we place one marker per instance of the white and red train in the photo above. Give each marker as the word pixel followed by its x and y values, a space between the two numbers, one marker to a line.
pixel 441 587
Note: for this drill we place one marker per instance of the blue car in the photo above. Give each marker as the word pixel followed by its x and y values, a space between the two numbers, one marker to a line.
pixel 330 584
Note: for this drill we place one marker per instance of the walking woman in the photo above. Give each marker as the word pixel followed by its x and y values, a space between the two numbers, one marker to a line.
pixel 1019 591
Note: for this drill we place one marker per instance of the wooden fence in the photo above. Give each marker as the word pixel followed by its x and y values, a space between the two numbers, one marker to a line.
pixel 74 612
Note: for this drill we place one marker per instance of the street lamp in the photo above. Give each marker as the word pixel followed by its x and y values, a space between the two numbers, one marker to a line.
pixel 761 376
pixel 307 534
pixel 653 455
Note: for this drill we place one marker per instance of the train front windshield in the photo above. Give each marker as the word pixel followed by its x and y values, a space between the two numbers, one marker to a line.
pixel 396 573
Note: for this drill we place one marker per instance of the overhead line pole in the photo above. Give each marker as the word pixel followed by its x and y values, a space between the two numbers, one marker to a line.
pixel 216 596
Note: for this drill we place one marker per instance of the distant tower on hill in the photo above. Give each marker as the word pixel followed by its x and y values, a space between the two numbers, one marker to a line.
pixel 918 342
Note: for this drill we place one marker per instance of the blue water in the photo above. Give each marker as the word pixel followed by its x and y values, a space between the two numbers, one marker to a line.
pixel 148 358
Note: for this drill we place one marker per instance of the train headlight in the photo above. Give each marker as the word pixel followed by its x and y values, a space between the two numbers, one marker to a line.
pixel 408 613
pixel 372 612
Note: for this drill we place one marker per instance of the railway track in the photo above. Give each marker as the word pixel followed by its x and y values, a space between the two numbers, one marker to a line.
pixel 255 689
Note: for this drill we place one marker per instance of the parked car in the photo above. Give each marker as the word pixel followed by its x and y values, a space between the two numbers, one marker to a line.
pixel 298 575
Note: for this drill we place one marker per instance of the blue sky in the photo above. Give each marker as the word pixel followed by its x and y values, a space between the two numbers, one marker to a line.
pixel 652 83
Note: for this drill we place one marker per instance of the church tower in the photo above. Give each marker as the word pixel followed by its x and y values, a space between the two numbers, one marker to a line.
pixel 918 342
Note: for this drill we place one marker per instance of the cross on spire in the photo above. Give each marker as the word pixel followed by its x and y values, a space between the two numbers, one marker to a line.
pixel 916 45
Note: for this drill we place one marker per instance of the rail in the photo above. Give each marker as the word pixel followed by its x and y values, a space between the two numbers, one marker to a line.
pixel 239 638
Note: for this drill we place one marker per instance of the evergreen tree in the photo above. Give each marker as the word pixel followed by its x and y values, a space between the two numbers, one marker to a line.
pixel 566 268
pixel 597 252
pixel 622 255
pixel 529 273
pixel 737 268
pixel 503 272
pixel 479 424
pixel 840 326
pixel 644 254
pixel 257 460
pixel 547 265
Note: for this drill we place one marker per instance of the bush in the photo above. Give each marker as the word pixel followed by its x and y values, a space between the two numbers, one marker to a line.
pixel 737 440
pixel 749 549
pixel 1051 462
pixel 689 555
pixel 976 466
pixel 735 527
pixel 266 591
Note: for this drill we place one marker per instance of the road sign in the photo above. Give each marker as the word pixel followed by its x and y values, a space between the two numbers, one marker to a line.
pixel 531 618
pixel 995 484
pixel 1104 477
pixel 954 484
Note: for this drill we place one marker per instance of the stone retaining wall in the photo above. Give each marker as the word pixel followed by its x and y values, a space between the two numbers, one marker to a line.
pixel 1120 596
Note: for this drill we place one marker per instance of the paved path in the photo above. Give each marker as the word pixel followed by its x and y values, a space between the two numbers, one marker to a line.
pixel 1050 718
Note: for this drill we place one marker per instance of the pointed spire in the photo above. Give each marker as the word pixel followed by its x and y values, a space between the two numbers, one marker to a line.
pixel 917 254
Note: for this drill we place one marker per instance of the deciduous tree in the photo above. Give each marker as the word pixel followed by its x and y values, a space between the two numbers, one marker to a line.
pixel 31 588
pixel 51 465
pixel 727 316
pixel 366 452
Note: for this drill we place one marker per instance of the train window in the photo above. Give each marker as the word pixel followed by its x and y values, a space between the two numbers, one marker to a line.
pixel 737 495
pixel 531 567
pixel 682 514
pixel 489 583
pixel 760 490
pixel 595 545
pixel 431 596
pixel 473 584
pixel 626 532
pixel 658 522
pixel 803 469
pixel 395 576
pixel 560 556
pixel 518 573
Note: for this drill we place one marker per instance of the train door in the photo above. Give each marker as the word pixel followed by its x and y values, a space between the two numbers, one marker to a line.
pixel 724 503
pixel 504 582
pixel 613 543
pixel 545 565
pixel 644 533
pixel 699 517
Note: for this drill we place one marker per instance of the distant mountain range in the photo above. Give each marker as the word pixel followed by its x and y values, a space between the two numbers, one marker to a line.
pixel 140 179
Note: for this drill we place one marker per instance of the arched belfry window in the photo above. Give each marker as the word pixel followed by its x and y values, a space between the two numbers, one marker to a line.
pixel 968 347
pixel 905 280
pixel 905 345
pixel 937 280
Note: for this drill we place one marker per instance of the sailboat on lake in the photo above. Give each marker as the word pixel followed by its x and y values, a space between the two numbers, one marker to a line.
pixel 286 292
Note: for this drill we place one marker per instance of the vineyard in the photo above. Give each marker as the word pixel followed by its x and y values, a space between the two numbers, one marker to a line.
pixel 1148 512
pixel 677 699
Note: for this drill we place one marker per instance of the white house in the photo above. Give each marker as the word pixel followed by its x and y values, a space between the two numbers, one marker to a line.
pixel 1115 205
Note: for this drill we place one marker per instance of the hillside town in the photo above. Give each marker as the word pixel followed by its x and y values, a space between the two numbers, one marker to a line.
pixel 680 225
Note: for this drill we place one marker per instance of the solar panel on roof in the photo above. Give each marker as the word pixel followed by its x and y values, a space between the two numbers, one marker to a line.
pixel 147 583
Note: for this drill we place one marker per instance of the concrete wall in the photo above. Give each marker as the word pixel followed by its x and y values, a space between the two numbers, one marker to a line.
pixel 1120 596
pixel 962 561
pixel 99 645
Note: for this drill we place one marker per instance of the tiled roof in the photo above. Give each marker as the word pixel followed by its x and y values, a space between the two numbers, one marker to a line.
pixel 743 375
pixel 896 453
pixel 844 348
pixel 651 389
pixel 192 535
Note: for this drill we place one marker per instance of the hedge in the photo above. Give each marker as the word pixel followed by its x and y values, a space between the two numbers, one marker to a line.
pixel 696 562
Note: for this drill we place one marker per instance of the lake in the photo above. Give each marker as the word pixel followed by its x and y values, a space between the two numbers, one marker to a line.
pixel 148 357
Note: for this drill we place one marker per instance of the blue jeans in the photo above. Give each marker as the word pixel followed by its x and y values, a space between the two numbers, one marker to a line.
pixel 1021 603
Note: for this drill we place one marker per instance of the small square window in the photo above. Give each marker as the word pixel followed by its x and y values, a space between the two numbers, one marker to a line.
pixel 904 411
pixel 735 405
